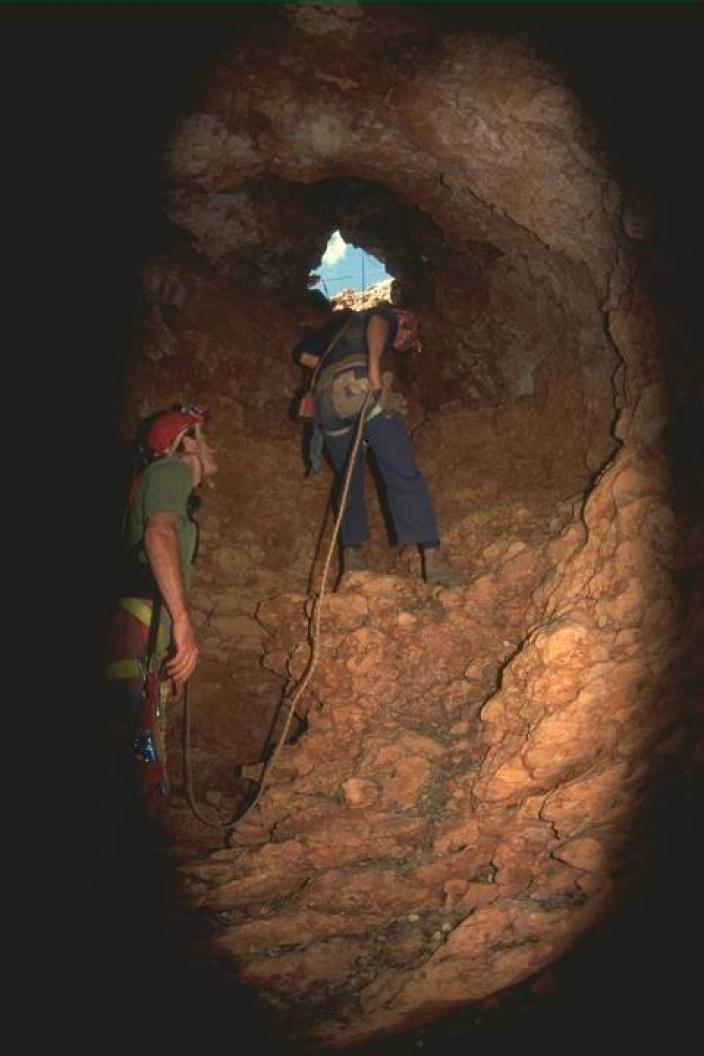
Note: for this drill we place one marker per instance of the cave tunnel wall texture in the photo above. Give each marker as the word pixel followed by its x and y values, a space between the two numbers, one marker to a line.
pixel 489 777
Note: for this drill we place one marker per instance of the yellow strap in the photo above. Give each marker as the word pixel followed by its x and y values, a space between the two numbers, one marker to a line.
pixel 134 669
pixel 142 611
pixel 124 669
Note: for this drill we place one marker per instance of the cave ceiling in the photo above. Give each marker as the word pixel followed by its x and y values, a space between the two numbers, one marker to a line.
pixel 302 119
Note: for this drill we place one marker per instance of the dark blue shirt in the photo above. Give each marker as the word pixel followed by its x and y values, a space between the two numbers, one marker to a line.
pixel 354 339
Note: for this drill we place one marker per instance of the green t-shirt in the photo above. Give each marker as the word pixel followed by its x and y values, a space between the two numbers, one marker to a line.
pixel 164 488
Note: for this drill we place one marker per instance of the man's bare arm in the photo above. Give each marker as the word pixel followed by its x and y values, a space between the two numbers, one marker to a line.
pixel 307 360
pixel 162 549
pixel 377 333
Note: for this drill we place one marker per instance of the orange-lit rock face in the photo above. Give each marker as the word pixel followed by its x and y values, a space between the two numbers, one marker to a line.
pixel 468 785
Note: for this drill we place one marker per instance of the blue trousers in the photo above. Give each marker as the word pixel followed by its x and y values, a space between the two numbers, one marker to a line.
pixel 404 486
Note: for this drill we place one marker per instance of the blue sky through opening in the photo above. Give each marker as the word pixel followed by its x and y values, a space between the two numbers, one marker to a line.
pixel 346 267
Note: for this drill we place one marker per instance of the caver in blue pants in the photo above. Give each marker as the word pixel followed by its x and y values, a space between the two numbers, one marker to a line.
pixel 406 492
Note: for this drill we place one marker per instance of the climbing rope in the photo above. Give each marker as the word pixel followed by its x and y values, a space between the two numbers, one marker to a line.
pixel 315 620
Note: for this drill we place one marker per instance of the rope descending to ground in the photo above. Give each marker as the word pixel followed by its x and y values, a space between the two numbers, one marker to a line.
pixel 315 619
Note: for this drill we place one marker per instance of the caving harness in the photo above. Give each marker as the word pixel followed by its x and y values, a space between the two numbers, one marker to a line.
pixel 334 398
pixel 307 406
pixel 147 739
pixel 155 694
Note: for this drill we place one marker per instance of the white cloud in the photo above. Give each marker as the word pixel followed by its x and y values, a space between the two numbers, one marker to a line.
pixel 336 249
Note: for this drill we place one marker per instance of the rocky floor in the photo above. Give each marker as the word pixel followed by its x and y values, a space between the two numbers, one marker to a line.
pixel 464 795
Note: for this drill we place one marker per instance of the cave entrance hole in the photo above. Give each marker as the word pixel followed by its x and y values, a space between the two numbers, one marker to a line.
pixel 345 267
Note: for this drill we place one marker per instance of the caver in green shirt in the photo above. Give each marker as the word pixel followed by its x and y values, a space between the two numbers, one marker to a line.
pixel 165 487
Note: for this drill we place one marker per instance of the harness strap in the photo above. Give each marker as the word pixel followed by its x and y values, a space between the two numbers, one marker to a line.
pixel 156 634
pixel 150 616
pixel 318 366
pixel 328 376
pixel 142 611
pixel 124 669
pixel 348 428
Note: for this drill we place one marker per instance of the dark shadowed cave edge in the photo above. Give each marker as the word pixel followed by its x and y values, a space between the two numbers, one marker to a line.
pixel 129 968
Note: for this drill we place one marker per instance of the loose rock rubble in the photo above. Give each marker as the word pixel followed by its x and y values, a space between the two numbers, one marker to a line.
pixel 466 788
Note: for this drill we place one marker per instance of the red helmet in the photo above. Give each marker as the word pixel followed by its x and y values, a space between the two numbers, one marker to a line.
pixel 167 428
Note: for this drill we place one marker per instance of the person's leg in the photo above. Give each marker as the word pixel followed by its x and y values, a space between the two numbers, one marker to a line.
pixel 115 799
pixel 406 491
pixel 354 529
pixel 409 501
pixel 133 746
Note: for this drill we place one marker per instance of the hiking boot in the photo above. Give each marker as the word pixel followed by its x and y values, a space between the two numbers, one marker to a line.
pixel 353 559
pixel 437 570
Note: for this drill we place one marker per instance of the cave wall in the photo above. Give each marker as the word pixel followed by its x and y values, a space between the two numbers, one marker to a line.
pixel 514 339
pixel 465 798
